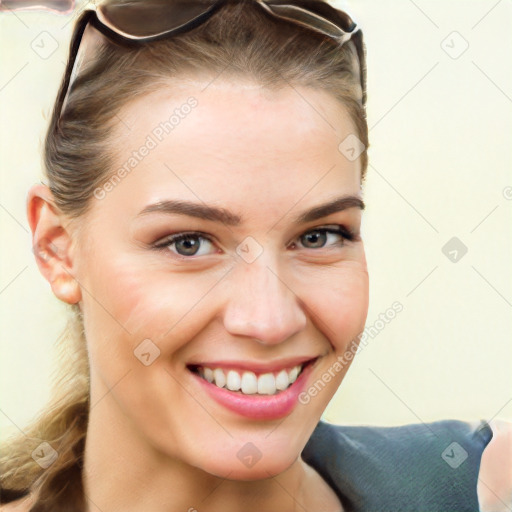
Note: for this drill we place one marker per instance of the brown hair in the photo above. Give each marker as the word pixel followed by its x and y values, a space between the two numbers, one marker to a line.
pixel 241 40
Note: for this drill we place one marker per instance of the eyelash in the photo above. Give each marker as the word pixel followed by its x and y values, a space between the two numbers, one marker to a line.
pixel 345 234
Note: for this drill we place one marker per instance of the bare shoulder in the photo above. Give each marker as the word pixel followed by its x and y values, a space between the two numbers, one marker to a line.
pixel 494 487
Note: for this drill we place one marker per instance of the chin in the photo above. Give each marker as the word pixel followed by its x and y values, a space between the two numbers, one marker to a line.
pixel 266 467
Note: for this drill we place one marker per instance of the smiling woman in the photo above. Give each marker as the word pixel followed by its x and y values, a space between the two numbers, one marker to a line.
pixel 201 217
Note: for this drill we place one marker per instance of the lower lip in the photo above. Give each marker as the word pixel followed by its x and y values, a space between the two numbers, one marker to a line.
pixel 259 407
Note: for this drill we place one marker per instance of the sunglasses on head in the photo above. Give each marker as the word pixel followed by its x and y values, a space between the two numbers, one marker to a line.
pixel 135 22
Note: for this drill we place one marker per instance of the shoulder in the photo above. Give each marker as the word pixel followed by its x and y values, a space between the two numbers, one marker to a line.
pixel 412 437
pixel 495 476
pixel 419 466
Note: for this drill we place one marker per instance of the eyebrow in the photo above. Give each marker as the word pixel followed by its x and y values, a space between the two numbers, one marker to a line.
pixel 217 214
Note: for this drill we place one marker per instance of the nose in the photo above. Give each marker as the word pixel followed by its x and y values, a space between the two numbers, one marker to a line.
pixel 262 305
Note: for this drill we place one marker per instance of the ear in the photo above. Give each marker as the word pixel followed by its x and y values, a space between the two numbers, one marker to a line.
pixel 52 243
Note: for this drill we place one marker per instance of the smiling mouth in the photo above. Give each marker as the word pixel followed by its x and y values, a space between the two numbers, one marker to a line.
pixel 246 382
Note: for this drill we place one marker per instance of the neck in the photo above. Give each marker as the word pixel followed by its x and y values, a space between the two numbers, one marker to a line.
pixel 123 472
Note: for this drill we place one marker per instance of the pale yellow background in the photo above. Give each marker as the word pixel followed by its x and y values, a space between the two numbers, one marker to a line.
pixel 440 131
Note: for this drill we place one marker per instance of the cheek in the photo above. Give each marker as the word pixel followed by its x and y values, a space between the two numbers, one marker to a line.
pixel 341 304
pixel 129 302
pixel 339 312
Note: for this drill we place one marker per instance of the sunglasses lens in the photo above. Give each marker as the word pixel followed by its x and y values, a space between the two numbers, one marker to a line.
pixel 312 20
pixel 148 18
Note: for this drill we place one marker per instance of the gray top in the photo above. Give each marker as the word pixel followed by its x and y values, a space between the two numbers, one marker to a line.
pixel 424 467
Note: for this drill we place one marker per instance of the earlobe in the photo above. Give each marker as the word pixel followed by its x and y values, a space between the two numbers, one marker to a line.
pixel 66 288
pixel 52 244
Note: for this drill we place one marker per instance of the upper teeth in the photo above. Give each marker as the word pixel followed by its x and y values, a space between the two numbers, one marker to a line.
pixel 247 382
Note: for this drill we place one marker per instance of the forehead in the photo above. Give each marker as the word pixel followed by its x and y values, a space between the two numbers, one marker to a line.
pixel 231 138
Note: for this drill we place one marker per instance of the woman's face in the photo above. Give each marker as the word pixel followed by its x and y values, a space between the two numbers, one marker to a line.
pixel 258 286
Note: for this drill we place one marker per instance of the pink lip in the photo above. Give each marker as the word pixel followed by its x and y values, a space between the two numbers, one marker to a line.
pixel 255 406
pixel 257 368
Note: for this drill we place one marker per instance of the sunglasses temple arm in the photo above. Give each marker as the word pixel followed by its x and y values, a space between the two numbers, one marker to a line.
pixel 76 57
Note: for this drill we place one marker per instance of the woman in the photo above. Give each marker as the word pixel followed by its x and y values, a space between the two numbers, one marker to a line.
pixel 202 219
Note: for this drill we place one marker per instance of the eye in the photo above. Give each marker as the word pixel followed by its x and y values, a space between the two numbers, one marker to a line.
pixel 186 244
pixel 317 238
pixel 197 244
